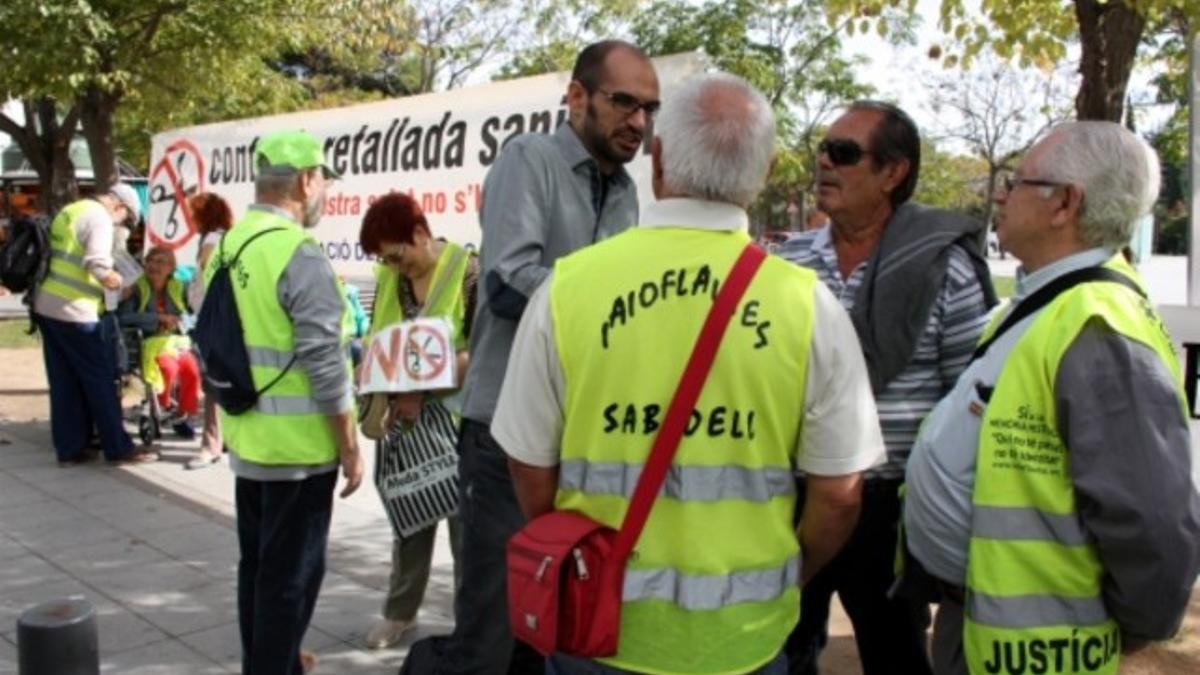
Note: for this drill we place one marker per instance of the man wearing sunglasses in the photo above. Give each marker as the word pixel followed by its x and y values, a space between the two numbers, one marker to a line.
pixel 918 293
pixel 1062 460
pixel 546 196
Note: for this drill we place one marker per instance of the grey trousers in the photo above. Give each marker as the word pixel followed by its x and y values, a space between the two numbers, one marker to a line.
pixel 947 647
pixel 411 560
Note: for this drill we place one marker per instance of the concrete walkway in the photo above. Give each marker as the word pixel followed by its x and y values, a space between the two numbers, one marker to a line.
pixel 154 548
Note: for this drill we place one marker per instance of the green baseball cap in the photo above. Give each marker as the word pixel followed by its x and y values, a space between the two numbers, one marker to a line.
pixel 291 151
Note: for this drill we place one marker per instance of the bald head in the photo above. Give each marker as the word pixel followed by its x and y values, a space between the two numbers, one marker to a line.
pixel 716 136
pixel 590 65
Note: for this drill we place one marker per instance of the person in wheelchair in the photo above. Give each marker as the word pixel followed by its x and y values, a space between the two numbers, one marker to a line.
pixel 156 306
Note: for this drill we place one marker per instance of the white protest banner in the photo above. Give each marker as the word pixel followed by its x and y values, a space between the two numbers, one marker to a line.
pixel 415 355
pixel 436 147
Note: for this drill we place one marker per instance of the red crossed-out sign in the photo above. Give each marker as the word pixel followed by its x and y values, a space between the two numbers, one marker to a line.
pixel 177 176
pixel 425 354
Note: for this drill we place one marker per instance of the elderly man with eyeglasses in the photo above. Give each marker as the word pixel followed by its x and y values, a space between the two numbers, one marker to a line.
pixel 1050 494
pixel 918 292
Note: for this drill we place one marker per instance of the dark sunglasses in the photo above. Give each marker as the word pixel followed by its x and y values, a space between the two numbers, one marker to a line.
pixel 628 104
pixel 842 151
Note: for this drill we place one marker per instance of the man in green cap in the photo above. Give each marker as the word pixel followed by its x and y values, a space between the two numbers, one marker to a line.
pixel 286 450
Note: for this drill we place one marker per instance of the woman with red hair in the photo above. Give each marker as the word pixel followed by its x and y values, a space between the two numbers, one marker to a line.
pixel 213 218
pixel 418 275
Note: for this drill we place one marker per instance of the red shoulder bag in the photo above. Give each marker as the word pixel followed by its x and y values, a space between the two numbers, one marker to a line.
pixel 565 570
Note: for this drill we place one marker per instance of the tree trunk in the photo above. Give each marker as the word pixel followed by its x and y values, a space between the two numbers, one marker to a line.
pixel 1109 35
pixel 59 188
pixel 96 109
pixel 46 144
pixel 989 207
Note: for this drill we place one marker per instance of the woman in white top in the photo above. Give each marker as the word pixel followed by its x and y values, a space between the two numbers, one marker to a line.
pixel 213 218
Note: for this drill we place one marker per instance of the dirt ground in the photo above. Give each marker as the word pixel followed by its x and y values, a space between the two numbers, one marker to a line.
pixel 24 398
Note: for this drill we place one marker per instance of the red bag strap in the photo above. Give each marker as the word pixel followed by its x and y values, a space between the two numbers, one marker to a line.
pixel 686 394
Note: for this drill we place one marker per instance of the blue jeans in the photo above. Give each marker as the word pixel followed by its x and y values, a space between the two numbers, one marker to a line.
pixel 561 664
pixel 82 375
pixel 488 515
pixel 283 527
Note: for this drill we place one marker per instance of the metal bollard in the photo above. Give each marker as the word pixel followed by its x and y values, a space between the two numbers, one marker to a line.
pixel 59 638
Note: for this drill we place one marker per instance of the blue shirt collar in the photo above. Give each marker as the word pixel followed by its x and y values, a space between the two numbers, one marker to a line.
pixel 1029 283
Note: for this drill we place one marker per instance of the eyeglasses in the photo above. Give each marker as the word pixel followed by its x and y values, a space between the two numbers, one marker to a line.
pixel 393 258
pixel 842 151
pixel 628 104
pixel 1011 182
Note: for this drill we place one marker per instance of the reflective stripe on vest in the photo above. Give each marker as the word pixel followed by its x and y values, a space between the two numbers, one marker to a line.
pixel 713 585
pixel 1021 611
pixel 68 257
pixel 699 593
pixel 85 289
pixel 286 405
pixel 1001 522
pixel 66 276
pixel 1034 580
pixel 267 357
pixel 683 483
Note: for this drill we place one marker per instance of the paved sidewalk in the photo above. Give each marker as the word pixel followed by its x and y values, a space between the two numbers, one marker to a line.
pixel 154 548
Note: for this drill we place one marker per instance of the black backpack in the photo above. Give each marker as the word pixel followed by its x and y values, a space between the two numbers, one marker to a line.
pixel 25 257
pixel 220 343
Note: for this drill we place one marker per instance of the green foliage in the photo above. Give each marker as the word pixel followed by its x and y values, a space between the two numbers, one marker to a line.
pixel 790 51
pixel 169 61
pixel 398 48
pixel 1172 236
pixel 956 182
pixel 1038 33
pixel 62 47
pixel 14 334
pixel 553 31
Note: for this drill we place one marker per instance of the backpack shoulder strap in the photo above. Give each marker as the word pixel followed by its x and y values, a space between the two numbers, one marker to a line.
pixel 1044 295
pixel 238 255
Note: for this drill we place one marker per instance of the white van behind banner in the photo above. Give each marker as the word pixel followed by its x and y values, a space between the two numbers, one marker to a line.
pixel 436 147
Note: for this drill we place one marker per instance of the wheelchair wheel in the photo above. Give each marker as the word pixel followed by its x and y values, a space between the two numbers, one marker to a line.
pixel 147 429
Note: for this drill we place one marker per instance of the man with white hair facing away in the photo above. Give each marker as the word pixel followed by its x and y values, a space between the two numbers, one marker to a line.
pixel 67 306
pixel 713 585
pixel 1050 493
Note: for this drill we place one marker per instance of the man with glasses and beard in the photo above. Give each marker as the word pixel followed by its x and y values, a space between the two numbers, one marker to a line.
pixel 546 196
pixel 918 292
pixel 286 450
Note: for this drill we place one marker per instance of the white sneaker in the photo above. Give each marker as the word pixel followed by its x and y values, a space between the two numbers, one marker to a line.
pixel 387 633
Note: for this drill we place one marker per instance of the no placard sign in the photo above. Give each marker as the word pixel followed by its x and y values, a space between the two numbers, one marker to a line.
pixel 415 355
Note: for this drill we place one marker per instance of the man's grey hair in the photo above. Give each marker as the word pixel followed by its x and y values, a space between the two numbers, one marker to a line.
pixel 1118 172
pixel 274 183
pixel 718 136
pixel 275 186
